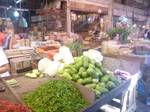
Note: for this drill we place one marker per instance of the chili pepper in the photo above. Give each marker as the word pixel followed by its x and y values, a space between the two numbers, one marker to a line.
pixel 55 96
pixel 7 106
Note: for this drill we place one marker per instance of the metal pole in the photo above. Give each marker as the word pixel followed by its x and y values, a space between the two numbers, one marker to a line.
pixel 68 18
pixel 110 13
pixel 133 12
pixel 46 16
pixel 5 11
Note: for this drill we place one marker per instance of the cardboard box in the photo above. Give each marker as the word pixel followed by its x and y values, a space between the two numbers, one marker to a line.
pixel 26 86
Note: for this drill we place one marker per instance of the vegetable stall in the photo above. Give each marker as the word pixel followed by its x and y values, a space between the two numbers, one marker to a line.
pixel 26 85
pixel 70 84
pixel 74 56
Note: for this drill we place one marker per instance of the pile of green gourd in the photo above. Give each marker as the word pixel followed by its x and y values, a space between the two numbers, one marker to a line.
pixel 56 96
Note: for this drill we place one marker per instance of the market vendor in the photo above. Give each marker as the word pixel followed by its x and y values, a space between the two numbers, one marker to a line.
pixel 4 64
pixel 10 40
pixel 7 39
pixel 2 35
pixel 96 30
pixel 4 67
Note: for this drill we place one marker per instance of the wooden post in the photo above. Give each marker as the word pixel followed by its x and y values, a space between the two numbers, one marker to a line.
pixel 46 16
pixel 133 12
pixel 110 13
pixel 68 18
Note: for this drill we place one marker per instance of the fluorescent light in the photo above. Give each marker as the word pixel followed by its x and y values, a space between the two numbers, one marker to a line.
pixel 16 14
pixel 134 25
pixel 18 1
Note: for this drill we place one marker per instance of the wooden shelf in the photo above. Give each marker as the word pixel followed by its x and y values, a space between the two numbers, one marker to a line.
pixel 44 11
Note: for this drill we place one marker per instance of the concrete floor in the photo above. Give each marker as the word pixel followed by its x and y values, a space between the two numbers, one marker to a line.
pixel 142 107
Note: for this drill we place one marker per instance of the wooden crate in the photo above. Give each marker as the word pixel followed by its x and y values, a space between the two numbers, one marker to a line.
pixel 20 63
pixel 27 51
pixel 11 53
pixel 27 64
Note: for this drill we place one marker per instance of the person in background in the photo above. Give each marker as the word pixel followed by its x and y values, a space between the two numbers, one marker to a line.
pixel 10 39
pixel 4 67
pixel 97 30
pixel 147 32
pixel 4 64
pixel 13 41
pixel 2 35
pixel 7 40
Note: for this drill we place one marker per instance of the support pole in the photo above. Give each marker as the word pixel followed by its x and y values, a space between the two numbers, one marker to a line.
pixel 46 15
pixel 68 18
pixel 110 13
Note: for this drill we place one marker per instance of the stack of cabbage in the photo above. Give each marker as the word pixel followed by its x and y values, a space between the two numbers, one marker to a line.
pixel 90 74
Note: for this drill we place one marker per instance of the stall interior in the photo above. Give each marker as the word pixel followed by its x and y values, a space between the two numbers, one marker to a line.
pixel 91 26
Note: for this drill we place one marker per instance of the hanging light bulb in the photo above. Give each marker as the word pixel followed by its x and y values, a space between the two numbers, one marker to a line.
pixel 134 25
pixel 16 14
pixel 89 19
pixel 99 11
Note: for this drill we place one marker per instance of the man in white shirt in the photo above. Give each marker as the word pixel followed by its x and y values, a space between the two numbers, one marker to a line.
pixel 4 64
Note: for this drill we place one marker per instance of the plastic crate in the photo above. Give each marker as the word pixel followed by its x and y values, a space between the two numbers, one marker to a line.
pixel 48 51
pixel 48 54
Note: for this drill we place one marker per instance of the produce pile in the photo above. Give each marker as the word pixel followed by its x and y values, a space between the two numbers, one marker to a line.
pixel 34 74
pixel 50 67
pixel 7 106
pixel 63 37
pixel 91 74
pixel 55 96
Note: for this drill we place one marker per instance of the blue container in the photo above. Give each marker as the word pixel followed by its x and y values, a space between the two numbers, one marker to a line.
pixel 141 88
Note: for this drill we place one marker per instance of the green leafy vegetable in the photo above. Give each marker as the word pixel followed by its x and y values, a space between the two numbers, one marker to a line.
pixel 55 96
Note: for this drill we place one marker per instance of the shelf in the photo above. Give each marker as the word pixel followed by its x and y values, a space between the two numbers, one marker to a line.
pixel 44 11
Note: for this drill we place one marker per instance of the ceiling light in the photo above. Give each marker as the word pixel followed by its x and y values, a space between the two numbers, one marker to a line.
pixel 16 14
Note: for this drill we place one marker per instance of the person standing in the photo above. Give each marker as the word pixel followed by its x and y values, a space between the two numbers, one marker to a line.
pixel 2 35
pixel 147 32
pixel 4 64
pixel 4 67
pixel 10 37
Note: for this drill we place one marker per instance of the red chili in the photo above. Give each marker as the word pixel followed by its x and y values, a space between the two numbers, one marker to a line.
pixel 7 106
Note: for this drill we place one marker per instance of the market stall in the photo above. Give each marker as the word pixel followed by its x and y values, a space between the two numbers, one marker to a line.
pixel 26 85
pixel 98 87
pixel 71 59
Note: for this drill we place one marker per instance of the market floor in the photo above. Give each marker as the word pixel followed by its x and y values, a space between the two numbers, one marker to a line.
pixel 142 107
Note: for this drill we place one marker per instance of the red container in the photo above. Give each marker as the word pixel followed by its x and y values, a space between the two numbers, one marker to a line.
pixel 48 51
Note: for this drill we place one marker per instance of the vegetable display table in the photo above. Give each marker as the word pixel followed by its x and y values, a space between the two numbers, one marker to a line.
pixel 128 100
pixel 108 97
pixel 128 63
pixel 8 93
pixel 27 84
